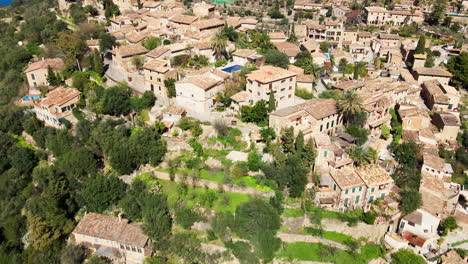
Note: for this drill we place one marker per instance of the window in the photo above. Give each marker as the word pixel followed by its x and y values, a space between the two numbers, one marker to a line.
pixel 290 79
pixel 258 93
pixel 371 198
pixel 357 199
pixel 372 189
pixel 127 247
pixel 289 96
pixel 133 248
pixel 159 79
pixel 346 191
pixel 325 153
pixel 360 188
pixel 139 250
pixel 334 187
pixel 121 246
pixel 151 77
pixel 382 195
pixel 332 123
pixel 327 125
pixel 354 189
pixel 321 128
pixel 346 202
pixel 33 77
pixel 34 84
pixel 152 87
pixel 290 87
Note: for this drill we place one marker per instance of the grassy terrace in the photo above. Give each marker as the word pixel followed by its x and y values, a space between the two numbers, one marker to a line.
pixel 330 235
pixel 223 202
pixel 218 176
pixel 319 252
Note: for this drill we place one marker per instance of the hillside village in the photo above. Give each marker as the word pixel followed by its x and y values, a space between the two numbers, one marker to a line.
pixel 144 132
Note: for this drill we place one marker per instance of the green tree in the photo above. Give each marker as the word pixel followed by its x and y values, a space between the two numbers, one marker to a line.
pixel 134 200
pixel 106 41
pixel 157 220
pixel 385 132
pixel 406 256
pixel 101 192
pixel 350 105
pixel 116 100
pixel 449 223
pixel 77 163
pixel 52 78
pixel 276 58
pixel 309 154
pixel 170 86
pixel 218 44
pixel 287 140
pixel 458 66
pixel 254 217
pixel 98 64
pixel 23 159
pixel 342 65
pixel 271 102
pixel 329 11
pixel 253 160
pixel 257 114
pixel 438 12
pixel 410 201
pixel 299 143
pixel 421 46
pixel 72 254
pixel 73 45
pixel 324 46
pixel 152 43
pixel 361 155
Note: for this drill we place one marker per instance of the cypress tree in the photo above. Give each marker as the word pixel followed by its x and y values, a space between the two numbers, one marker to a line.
pixel 299 144
pixel 420 48
pixel 271 102
pixel 98 63
pixel 51 77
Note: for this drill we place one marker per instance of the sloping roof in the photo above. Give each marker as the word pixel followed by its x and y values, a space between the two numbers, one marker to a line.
pixel 55 64
pixel 346 178
pixel 310 45
pixel 244 53
pixel 414 239
pixel 59 96
pixel 269 73
pixel 305 78
pixel 201 81
pixel 242 96
pixel 158 51
pixel 111 228
pixel 183 19
pixel 176 110
pixel 157 65
pixel 318 108
pixel 131 50
pixel 373 175
pixel 276 35
pixel 376 9
pixel 432 71
pixel 414 217
pixel 434 162
pixel 349 85
pixel 448 119
pixel 389 36
pixel 208 23
pixel 288 48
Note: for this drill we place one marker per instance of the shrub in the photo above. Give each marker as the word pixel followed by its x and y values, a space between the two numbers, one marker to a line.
pixel 220 63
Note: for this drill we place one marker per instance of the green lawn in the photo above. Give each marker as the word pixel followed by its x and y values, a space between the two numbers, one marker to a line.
pixel 319 252
pixel 330 235
pixel 288 212
pixel 191 196
pixel 20 141
pixel 459 243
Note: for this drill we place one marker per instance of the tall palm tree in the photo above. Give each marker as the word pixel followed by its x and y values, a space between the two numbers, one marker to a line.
pixel 219 44
pixel 361 155
pixel 350 105
pixel 313 69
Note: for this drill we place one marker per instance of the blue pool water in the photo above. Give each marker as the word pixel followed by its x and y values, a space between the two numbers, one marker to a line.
pixel 5 2
pixel 232 68
pixel 327 55
pixel 30 97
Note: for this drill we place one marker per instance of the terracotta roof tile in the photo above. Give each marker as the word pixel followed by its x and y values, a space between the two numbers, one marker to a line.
pixel 55 64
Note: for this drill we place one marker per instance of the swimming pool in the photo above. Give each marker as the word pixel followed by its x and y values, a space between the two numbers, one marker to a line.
pixel 232 68
pixel 327 56
pixel 31 97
